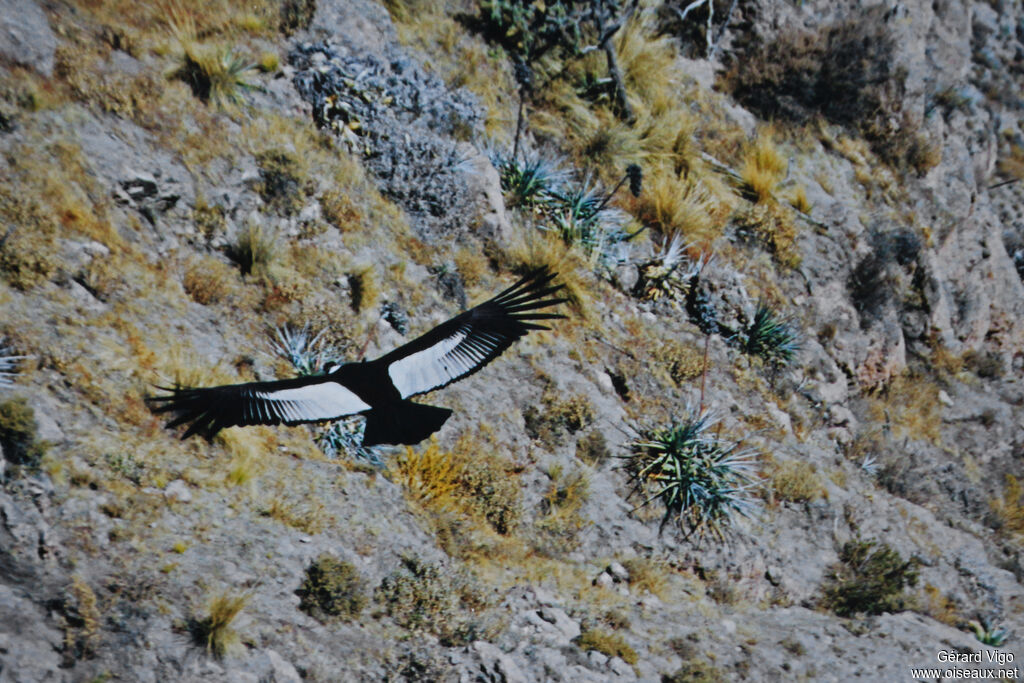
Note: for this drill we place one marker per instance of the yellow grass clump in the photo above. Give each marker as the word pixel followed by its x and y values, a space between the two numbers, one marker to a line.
pixel 214 631
pixel 763 167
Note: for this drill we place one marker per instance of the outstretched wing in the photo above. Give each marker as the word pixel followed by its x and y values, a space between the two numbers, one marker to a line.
pixel 206 411
pixel 471 340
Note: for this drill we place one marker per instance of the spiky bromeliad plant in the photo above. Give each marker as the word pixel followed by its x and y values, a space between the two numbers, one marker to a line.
pixel 8 365
pixel 530 181
pixel 771 338
pixel 702 481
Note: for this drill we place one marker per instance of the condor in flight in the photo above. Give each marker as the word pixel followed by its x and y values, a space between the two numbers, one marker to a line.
pixel 379 389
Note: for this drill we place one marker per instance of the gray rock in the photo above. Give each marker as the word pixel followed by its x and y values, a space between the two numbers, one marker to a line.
pixel 597 659
pixel 618 572
pixel 280 671
pixel 496 665
pixel 362 25
pixel 25 35
pixel 621 669
pixel 178 491
pixel 561 621
pixel 483 186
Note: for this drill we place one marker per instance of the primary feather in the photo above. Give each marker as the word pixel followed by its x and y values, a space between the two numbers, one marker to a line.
pixel 469 341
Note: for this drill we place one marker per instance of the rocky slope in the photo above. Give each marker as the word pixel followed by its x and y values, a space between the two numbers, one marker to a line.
pixel 167 208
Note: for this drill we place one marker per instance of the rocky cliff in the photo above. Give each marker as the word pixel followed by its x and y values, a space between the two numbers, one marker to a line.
pixel 819 274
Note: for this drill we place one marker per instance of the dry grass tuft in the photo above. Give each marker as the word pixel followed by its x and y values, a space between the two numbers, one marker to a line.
pixel 214 631
pixel 775 227
pixel 254 249
pixel 84 620
pixel 429 475
pixel 678 205
pixel 909 404
pixel 209 281
pixel 365 291
pixel 798 200
pixel 1009 510
pixel 796 481
pixel 763 167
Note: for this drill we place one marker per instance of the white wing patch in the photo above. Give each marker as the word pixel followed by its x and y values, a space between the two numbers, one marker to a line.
pixel 443 362
pixel 324 401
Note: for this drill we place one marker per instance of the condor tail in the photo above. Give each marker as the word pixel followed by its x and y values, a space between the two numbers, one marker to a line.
pixel 404 422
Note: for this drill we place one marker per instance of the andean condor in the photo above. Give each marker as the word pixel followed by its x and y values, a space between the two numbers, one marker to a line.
pixel 379 389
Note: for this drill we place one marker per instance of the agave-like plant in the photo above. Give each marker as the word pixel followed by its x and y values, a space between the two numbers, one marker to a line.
pixel 989 634
pixel 346 436
pixel 532 181
pixel 669 271
pixel 771 337
pixel 702 481
pixel 304 350
pixel 869 465
pixel 580 215
pixel 8 365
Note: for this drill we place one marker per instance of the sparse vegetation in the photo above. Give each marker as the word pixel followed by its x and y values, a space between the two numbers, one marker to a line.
pixel 702 481
pixel 607 643
pixel 592 448
pixel 558 416
pixel 845 72
pixel 332 589
pixel 282 180
pixel 646 574
pixel 697 671
pixel 556 529
pixel 209 281
pixel 869 579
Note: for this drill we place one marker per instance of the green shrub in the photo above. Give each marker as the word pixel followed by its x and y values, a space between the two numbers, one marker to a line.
pixel 18 429
pixel 282 178
pixel 331 588
pixel 868 580
pixel 489 492
pixel 417 595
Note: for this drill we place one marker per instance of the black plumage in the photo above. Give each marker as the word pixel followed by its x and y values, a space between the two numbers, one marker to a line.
pixel 378 389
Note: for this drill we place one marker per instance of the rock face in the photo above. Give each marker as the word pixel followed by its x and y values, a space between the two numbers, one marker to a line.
pixel 25 35
pixel 349 195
